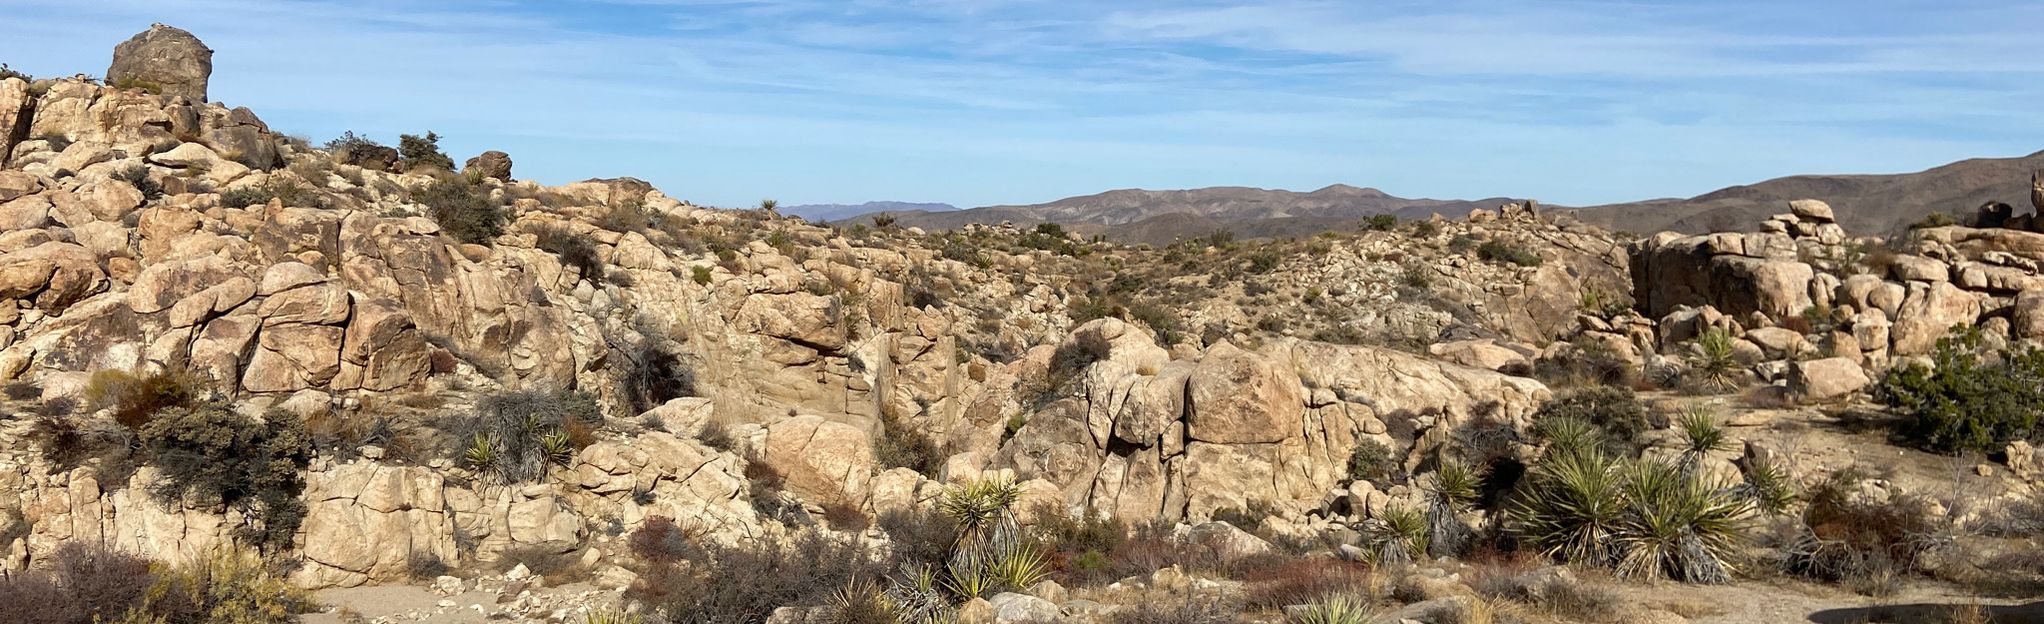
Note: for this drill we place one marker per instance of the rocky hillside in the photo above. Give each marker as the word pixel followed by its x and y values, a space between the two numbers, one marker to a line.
pixel 381 372
pixel 1881 204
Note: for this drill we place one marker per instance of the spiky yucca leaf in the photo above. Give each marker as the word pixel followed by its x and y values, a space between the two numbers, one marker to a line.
pixel 1572 505
pixel 1701 435
pixel 1339 609
pixel 613 615
pixel 1570 435
pixel 918 597
pixel 1770 488
pixel 1020 568
pixel 1397 535
pixel 1715 362
pixel 1451 489
pixel 1678 525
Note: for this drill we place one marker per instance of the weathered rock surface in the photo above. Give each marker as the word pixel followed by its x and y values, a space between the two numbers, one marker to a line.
pixel 165 60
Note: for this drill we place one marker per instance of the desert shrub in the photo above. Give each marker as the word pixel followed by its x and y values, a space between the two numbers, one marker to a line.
pixel 1263 260
pixel 1306 581
pixel 1503 252
pixel 1415 276
pixel 84 583
pixel 1372 461
pixel 343 435
pixel 425 566
pixel 517 437
pixel 222 587
pixel 626 216
pixel 660 542
pixel 1848 538
pixel 902 445
pixel 1934 219
pixel 653 375
pixel 845 515
pixel 763 485
pixel 701 275
pixel 558 566
pixel 136 397
pixel 1614 411
pixel 60 442
pixel 138 176
pixel 1067 362
pixel 717 436
pixel 574 250
pixel 744 583
pixel 465 214
pixel 1189 607
pixel 1248 517
pixel 1587 363
pixel 921 537
pixel 7 72
pixel 244 196
pixel 1081 546
pixel 23 390
pixel 416 151
pixel 1966 399
pixel 217 456
pixel 1381 223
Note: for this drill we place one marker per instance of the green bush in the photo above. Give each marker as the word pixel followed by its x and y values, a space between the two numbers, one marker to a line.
pixel 138 176
pixel 1615 411
pixel 1500 251
pixel 574 250
pixel 1381 223
pixel 1967 399
pixel 465 214
pixel 422 151
pixel 218 456
pixel 1372 461
pixel 244 196
pixel 701 275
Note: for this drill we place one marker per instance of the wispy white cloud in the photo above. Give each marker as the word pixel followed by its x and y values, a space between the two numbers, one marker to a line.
pixel 1000 101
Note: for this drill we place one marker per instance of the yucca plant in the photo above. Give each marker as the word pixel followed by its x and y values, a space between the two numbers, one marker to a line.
pixel 1570 435
pixel 1769 487
pixel 1572 506
pixel 1715 362
pixel 1338 609
pixel 481 453
pixel 1701 435
pixel 1677 525
pixel 613 615
pixel 1020 568
pixel 1451 489
pixel 917 596
pixel 990 555
pixel 860 602
pixel 1396 536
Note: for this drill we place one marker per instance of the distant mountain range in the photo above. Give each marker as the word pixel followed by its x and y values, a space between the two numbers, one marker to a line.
pixel 1142 216
pixel 837 212
pixel 1865 204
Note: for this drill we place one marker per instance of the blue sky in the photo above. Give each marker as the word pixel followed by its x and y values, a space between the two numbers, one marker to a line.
pixel 978 102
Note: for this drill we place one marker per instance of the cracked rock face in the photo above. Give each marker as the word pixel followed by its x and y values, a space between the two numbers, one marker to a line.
pixel 165 60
